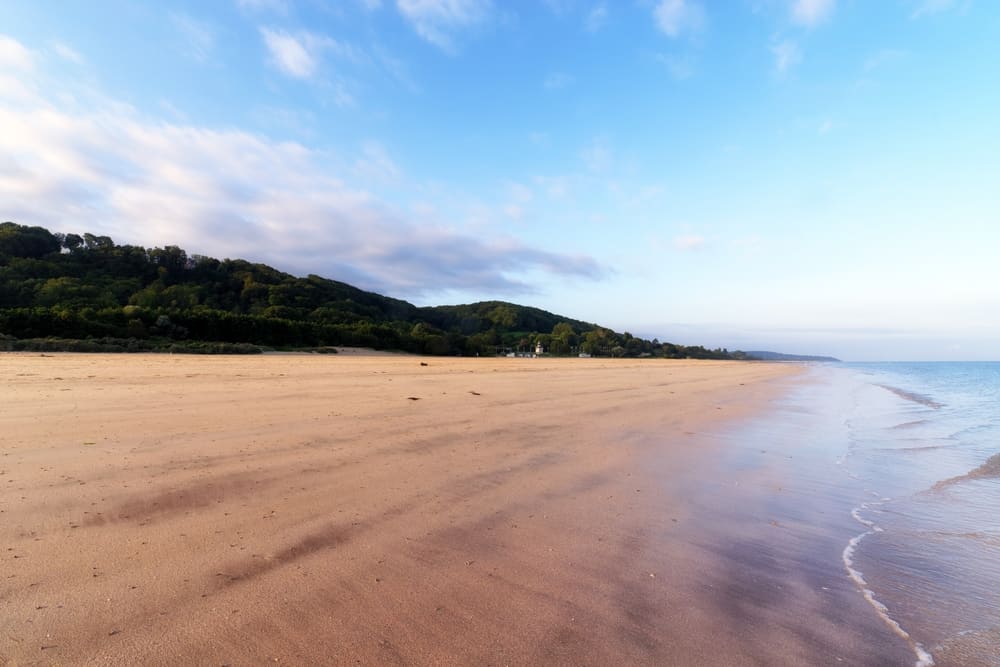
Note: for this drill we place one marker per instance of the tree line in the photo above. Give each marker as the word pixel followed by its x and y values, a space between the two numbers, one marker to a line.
pixel 86 292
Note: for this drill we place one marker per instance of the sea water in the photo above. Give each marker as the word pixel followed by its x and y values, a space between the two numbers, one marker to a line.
pixel 922 448
pixel 886 475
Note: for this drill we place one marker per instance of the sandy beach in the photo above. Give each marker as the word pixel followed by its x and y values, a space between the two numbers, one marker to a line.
pixel 159 509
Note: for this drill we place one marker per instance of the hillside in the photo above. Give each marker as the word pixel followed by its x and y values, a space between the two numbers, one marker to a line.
pixel 85 292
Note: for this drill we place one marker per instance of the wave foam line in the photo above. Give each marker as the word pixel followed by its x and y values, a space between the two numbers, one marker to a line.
pixel 924 658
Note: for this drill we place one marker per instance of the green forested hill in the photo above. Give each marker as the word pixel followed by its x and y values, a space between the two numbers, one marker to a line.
pixel 70 291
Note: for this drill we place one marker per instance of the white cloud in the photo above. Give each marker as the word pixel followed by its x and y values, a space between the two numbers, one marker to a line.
pixel 812 12
pixel 597 17
pixel 300 55
pixel 786 55
pixel 14 55
pixel 231 193
pixel 17 65
pixel 289 54
pixel 675 17
pixel 437 20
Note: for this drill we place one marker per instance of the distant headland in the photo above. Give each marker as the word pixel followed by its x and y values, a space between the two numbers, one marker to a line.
pixel 764 355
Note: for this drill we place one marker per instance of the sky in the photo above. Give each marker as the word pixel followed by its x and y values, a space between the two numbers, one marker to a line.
pixel 810 176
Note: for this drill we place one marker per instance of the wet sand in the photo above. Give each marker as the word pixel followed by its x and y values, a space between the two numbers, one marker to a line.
pixel 403 510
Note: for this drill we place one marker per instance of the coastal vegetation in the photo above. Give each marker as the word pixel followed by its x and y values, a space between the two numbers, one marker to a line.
pixel 84 292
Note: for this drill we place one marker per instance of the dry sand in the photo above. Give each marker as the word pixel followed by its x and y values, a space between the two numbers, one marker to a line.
pixel 388 510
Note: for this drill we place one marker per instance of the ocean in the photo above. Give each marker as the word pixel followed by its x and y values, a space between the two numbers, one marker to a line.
pixel 922 450
pixel 878 484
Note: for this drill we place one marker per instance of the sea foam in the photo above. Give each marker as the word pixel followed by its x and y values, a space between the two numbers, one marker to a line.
pixel 924 658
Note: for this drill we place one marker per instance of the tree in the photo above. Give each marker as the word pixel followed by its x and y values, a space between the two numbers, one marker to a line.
pixel 595 341
pixel 20 241
pixel 503 316
pixel 170 262
pixel 98 242
pixel 72 242
pixel 563 338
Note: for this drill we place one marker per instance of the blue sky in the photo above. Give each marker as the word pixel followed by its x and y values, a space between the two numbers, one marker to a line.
pixel 803 175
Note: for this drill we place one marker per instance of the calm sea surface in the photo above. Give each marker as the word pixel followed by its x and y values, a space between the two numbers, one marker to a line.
pixel 922 446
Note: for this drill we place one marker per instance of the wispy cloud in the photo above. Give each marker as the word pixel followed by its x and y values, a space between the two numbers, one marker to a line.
pixel 66 52
pixel 300 54
pixel 276 6
pixel 596 17
pixel 395 67
pixel 233 193
pixel 305 56
pixel 436 21
pixel 597 155
pixel 172 110
pixel 812 12
pixel 520 193
pixel 519 196
pixel 677 17
pixel 375 163
pixel 198 38
pixel 555 187
pixel 786 55
pixel 559 7
pixel 930 7
pixel 291 54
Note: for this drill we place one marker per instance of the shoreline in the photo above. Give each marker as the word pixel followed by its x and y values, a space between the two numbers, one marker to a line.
pixel 921 440
pixel 313 508
pixel 778 520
